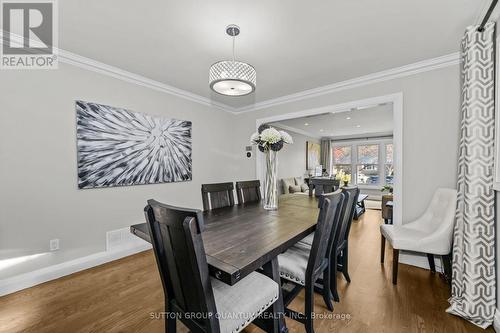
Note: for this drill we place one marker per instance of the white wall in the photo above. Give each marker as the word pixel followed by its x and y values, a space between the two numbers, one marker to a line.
pixel 292 158
pixel 430 129
pixel 39 199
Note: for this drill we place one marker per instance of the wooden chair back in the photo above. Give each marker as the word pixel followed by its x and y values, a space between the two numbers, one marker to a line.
pixel 322 186
pixel 178 247
pixel 338 219
pixel 217 195
pixel 386 211
pixel 248 191
pixel 328 219
pixel 352 194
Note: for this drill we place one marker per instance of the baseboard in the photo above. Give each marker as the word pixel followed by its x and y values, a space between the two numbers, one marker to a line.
pixel 419 260
pixel 27 280
pixel 496 321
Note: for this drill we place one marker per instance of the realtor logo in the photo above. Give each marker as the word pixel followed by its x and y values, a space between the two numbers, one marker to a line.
pixel 29 35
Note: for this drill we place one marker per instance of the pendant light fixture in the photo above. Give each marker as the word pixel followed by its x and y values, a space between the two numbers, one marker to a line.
pixel 231 77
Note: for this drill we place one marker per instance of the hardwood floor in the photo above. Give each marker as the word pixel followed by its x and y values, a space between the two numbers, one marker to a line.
pixel 122 295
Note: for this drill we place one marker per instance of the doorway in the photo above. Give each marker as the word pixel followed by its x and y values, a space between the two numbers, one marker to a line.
pixel 360 137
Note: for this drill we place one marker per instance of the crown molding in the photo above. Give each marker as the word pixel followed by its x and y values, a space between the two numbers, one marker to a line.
pixel 89 64
pixel 118 73
pixel 390 74
pixel 126 76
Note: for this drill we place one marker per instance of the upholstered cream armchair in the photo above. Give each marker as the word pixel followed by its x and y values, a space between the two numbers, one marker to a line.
pixel 432 233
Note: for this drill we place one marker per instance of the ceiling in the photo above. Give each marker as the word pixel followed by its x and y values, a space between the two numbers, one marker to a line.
pixel 369 121
pixel 294 45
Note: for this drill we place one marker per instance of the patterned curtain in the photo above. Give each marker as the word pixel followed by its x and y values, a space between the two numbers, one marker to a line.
pixel 326 153
pixel 473 282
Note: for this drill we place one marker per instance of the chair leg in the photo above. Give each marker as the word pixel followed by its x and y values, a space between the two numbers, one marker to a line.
pixel 345 264
pixel 171 325
pixel 382 249
pixel 395 263
pixel 327 296
pixel 333 277
pixel 309 308
pixel 171 322
pixel 432 265
pixel 447 267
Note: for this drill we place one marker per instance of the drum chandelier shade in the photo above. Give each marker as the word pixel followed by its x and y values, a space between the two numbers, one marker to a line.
pixel 231 77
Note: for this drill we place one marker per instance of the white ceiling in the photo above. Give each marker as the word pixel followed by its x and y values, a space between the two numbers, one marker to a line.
pixel 294 45
pixel 371 120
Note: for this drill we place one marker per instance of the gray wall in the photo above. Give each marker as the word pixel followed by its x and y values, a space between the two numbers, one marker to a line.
pixel 430 130
pixel 292 158
pixel 39 197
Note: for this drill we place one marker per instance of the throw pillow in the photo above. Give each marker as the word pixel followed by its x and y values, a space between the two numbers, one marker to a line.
pixel 287 182
pixel 299 180
pixel 295 188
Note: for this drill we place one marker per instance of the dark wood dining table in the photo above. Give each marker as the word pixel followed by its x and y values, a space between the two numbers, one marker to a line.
pixel 244 238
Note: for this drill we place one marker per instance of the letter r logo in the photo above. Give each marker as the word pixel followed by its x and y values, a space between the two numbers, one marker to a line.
pixel 28 27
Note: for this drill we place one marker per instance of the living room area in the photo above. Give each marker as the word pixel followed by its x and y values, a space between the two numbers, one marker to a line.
pixel 353 146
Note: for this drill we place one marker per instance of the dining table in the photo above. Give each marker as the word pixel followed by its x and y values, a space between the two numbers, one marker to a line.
pixel 241 239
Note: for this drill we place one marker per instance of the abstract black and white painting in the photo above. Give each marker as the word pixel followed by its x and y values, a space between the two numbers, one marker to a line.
pixel 117 147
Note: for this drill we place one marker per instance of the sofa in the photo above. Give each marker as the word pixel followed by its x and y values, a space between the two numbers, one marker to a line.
pixel 293 185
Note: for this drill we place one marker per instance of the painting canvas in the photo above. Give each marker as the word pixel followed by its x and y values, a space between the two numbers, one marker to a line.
pixel 117 147
pixel 312 155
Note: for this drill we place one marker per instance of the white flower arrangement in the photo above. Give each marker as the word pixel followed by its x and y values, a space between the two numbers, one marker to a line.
pixel 269 138
pixel 255 137
pixel 287 138
pixel 270 135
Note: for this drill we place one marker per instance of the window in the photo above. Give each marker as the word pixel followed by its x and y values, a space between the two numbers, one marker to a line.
pixel 367 167
pixel 342 159
pixel 369 162
pixel 389 167
pixel 342 155
pixel 388 153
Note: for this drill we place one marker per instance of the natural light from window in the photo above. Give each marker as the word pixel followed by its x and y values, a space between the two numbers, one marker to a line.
pixel 369 162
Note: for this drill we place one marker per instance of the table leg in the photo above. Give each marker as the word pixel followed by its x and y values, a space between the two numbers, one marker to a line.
pixel 271 269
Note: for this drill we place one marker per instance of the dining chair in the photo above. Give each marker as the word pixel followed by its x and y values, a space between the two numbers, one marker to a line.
pixel 432 233
pixel 248 191
pixel 202 303
pixel 387 210
pixel 217 195
pixel 340 249
pixel 303 266
pixel 339 240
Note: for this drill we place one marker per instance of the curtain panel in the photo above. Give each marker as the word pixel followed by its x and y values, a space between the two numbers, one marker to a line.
pixel 473 282
pixel 326 153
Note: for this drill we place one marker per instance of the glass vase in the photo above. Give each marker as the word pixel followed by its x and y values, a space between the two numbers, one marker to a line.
pixel 271 181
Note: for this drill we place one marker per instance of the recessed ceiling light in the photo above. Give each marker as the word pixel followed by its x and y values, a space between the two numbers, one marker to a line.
pixel 364 107
pixel 306 124
pixel 321 130
pixel 358 126
pixel 348 118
